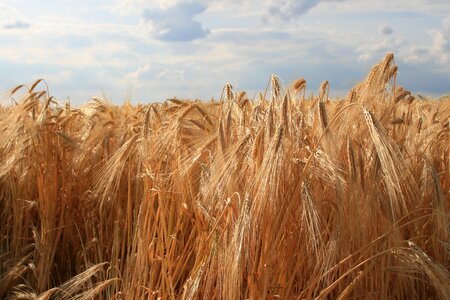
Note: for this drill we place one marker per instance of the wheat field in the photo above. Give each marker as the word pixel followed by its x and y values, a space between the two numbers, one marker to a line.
pixel 280 196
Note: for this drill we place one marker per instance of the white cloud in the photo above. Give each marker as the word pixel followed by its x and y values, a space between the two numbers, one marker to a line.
pixel 11 18
pixel 169 20
pixel 436 53
pixel 57 77
pixel 372 50
pixel 175 23
pixel 416 55
pixel 432 52
pixel 290 8
pixel 138 73
pixel 109 54
pixel 172 75
pixel 440 46
pixel 135 7
pixel 435 7
pixel 17 24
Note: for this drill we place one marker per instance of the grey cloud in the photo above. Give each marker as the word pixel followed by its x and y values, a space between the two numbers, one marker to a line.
pixel 420 51
pixel 17 24
pixel 421 78
pixel 290 9
pixel 386 30
pixel 176 23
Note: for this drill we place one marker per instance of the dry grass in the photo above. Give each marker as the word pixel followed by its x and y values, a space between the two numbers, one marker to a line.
pixel 286 197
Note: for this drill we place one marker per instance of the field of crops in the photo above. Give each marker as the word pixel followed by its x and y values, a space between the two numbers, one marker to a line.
pixel 282 196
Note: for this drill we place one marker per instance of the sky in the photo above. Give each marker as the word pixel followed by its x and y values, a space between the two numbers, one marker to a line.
pixel 147 51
